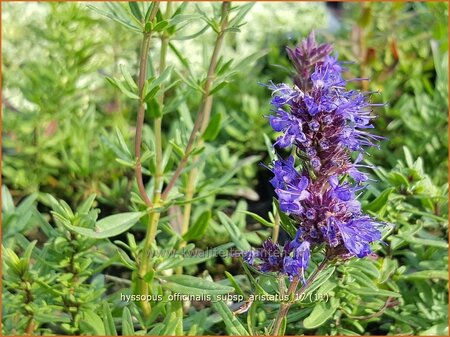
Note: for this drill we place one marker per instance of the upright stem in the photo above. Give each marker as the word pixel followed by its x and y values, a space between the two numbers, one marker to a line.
pixel 158 121
pixel 206 101
pixel 142 285
pixel 154 216
pixel 284 308
pixel 192 178
pixel 145 46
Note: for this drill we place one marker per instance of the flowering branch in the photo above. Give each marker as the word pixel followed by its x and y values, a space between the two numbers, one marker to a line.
pixel 325 124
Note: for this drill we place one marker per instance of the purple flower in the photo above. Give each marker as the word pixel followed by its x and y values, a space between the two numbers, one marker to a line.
pixel 324 123
pixel 290 125
pixel 291 196
pixel 285 173
pixel 358 234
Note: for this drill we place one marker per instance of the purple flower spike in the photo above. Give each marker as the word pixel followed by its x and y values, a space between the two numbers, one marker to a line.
pixel 323 123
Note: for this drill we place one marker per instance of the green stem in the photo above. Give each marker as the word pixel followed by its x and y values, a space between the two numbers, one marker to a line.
pixel 158 121
pixel 206 101
pixel 284 308
pixel 142 286
pixel 203 121
pixel 145 46
pixel 143 263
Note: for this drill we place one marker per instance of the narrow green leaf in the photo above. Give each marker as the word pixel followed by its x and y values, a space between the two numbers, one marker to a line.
pixel 108 321
pixel 94 322
pixel 135 10
pixel 218 87
pixel 285 221
pixel 426 275
pixel 153 108
pixel 232 323
pixel 122 88
pixel 128 78
pixel 380 201
pixel 321 279
pixel 235 233
pixel 425 242
pixel 125 259
pixel 234 283
pixel 321 313
pixel 213 128
pixel 7 200
pixel 198 229
pixel 110 226
pixel 159 27
pixel 258 218
pixel 127 323
pixel 86 205
pixel 190 285
pixel 372 292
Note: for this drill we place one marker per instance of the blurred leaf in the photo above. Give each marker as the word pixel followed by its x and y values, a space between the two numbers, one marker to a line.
pixel 232 323
pixel 321 313
pixel 213 128
pixel 110 226
pixel 236 235
pixel 198 229
pixel 108 321
pixel 127 323
pixel 190 285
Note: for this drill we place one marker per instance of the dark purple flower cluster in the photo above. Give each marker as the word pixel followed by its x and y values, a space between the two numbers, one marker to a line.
pixel 324 123
pixel 290 259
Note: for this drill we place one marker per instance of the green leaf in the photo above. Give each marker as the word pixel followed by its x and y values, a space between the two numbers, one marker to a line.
pixel 190 285
pixel 321 313
pixel 232 323
pixel 7 200
pixel 135 10
pixel 153 108
pixel 285 221
pixel 110 226
pixel 127 323
pixel 380 201
pixel 408 157
pixel 128 78
pixel 236 235
pixel 151 93
pixel 321 279
pixel 119 85
pixel 366 266
pixel 426 274
pixel 108 321
pixel 199 228
pixel 86 205
pixel 218 87
pixel 165 75
pixel 213 128
pixel 127 262
pixel 234 283
pixel 160 26
pixel 115 18
pixel 258 218
pixel 425 242
pixel 372 292
pixel 94 322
